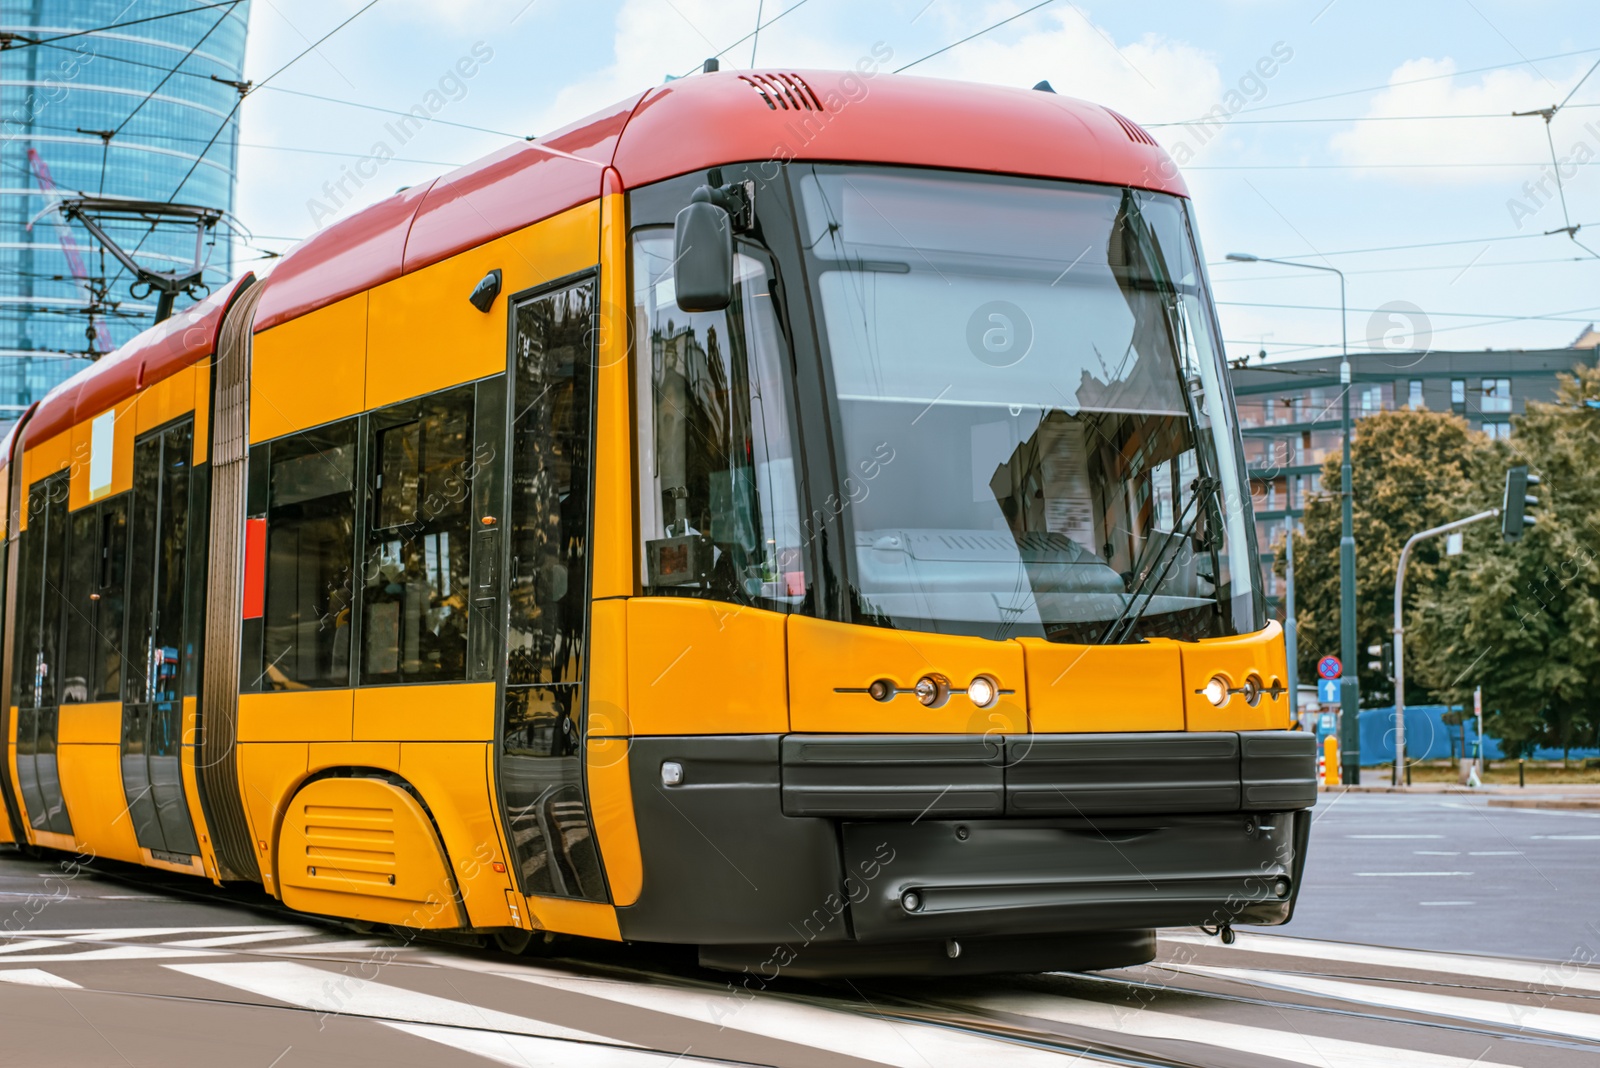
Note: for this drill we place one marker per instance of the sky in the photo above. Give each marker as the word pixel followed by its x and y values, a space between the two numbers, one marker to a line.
pixel 1375 137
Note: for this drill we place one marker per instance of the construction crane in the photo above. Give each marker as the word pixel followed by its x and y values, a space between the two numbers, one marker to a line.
pixel 99 337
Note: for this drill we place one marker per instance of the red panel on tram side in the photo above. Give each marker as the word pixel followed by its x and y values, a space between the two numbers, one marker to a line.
pixel 740 116
pixel 350 256
pixel 54 414
pixel 255 568
pixel 515 187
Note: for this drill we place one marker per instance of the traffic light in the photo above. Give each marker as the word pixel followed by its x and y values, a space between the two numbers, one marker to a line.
pixel 1382 659
pixel 1514 517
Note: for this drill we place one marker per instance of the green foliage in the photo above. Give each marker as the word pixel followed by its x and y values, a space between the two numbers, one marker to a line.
pixel 1410 471
pixel 1523 620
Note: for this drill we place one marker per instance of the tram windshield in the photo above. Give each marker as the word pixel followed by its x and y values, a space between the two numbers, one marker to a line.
pixel 1034 430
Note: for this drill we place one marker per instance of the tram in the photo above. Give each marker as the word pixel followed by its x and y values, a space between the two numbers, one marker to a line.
pixel 799 515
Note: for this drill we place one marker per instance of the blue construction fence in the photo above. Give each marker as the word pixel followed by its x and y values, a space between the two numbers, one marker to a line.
pixel 1428 737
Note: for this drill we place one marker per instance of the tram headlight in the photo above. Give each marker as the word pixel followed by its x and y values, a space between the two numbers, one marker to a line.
pixel 1252 690
pixel 933 690
pixel 1216 691
pixel 983 691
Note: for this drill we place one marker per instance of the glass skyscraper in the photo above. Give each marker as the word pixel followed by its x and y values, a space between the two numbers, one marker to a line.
pixel 110 110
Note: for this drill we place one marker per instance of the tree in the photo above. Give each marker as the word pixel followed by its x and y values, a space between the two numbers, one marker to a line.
pixel 1410 470
pixel 1523 619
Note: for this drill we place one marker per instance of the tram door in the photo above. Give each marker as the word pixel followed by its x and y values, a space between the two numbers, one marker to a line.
pixel 546 591
pixel 41 685
pixel 157 650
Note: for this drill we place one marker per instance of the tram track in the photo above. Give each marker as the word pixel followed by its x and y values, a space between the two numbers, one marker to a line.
pixel 941 1004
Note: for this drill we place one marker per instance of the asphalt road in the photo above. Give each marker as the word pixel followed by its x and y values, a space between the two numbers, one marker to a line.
pixel 1448 872
pixel 100 972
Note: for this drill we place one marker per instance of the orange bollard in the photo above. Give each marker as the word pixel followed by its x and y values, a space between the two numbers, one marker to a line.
pixel 1330 761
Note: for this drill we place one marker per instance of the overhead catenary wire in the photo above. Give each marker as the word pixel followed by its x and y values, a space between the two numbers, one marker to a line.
pixel 974 36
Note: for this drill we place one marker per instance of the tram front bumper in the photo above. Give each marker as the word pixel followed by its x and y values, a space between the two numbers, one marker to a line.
pixel 884 841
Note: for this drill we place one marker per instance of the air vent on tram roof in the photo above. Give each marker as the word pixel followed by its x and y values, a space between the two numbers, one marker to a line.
pixel 783 92
pixel 1134 131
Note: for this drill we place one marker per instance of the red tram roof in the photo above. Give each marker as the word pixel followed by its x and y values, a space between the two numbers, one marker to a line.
pixel 704 121
pixel 157 353
pixel 686 125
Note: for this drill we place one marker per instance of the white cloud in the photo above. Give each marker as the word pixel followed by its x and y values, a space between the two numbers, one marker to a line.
pixel 1379 139
pixel 1153 79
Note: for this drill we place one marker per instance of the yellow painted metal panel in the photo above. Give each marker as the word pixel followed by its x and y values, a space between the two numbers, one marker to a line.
pixel 268 774
pixel 52 840
pixel 296 716
pixel 423 335
pixel 452 778
pixel 150 860
pixel 1073 688
pixel 825 658
pixel 701 667
pixel 191 792
pixel 449 712
pixel 309 371
pixel 100 722
pixel 611 808
pixel 163 401
pixel 91 782
pixel 365 849
pixel 124 429
pixel 608 669
pixel 612 556
pixel 589 919
pixel 202 409
pixel 38 461
pixel 324 755
pixel 1235 659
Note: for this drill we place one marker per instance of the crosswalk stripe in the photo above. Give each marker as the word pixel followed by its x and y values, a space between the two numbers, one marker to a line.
pixel 18 945
pixel 151 952
pixel 1530 973
pixel 102 933
pixel 339 994
pixel 240 939
pixel 1287 1045
pixel 893 1042
pixel 1503 1014
pixel 36 977
pixel 530 1051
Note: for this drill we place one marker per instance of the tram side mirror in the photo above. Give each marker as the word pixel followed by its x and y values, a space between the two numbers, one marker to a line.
pixel 703 251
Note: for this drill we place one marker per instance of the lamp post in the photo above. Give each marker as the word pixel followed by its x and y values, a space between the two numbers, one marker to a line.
pixel 1291 641
pixel 1350 686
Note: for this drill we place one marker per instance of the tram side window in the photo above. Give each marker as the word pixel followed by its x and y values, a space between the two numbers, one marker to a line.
pixel 96 561
pixel 161 470
pixel 310 553
pixel 718 507
pixel 40 573
pixel 415 565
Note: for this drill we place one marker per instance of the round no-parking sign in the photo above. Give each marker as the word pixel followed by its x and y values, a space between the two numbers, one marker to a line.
pixel 1329 667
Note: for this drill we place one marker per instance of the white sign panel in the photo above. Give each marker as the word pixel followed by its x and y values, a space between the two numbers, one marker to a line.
pixel 102 447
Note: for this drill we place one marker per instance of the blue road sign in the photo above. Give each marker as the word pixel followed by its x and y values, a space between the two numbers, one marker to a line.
pixel 1327 717
pixel 1329 667
pixel 1328 691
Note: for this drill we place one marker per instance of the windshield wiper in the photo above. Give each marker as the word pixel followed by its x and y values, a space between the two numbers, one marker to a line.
pixel 1202 490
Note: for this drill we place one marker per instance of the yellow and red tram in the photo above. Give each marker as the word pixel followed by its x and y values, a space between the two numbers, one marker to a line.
pixel 799 515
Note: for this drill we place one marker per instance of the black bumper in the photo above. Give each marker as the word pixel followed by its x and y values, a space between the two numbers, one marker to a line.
pixel 885 840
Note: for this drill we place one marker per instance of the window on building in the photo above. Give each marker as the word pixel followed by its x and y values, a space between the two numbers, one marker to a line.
pixel 1414 396
pixel 1497 394
pixel 310 553
pixel 1458 394
pixel 415 568
pixel 1500 431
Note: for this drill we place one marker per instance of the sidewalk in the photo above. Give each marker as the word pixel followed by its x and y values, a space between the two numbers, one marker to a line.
pixel 1580 796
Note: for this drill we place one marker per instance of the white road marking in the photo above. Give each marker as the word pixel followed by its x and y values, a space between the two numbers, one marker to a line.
pixel 19 944
pixel 1406 874
pixel 241 939
pixel 528 1051
pixel 1566 837
pixel 1530 973
pixel 1504 1014
pixel 1395 836
pixel 1288 1045
pixel 152 952
pixel 338 994
pixel 35 977
pixel 895 1042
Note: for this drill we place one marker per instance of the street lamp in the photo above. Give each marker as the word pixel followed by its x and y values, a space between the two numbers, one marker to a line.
pixel 1349 688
